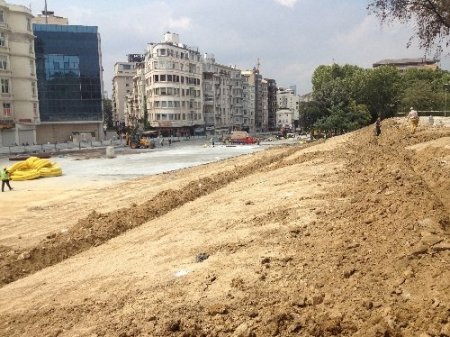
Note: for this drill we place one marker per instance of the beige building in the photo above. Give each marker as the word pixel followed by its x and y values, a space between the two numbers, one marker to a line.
pixel 19 112
pixel 122 86
pixel 222 97
pixel 409 63
pixel 49 18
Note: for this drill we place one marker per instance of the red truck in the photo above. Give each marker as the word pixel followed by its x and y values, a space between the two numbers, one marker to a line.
pixel 241 137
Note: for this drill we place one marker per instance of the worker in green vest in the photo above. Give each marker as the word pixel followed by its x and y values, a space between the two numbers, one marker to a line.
pixel 4 174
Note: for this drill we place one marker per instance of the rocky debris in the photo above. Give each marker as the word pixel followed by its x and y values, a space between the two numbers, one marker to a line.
pixel 201 257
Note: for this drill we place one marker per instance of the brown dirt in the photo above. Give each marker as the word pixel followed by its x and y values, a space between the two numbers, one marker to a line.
pixel 349 237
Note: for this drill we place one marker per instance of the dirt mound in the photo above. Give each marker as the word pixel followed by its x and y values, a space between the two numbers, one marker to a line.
pixel 349 240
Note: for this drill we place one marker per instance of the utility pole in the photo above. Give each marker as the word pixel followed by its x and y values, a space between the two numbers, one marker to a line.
pixel 46 13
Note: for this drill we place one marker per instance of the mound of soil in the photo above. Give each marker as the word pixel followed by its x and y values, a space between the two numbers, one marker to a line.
pixel 348 237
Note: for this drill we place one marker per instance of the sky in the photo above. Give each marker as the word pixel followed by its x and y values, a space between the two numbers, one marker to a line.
pixel 291 38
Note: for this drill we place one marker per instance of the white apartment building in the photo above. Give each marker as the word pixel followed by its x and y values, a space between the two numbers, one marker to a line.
pixel 285 119
pixel 19 113
pixel 173 81
pixel 122 85
pixel 287 99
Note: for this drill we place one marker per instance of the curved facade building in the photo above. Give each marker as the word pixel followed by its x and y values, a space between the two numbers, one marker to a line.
pixel 19 111
pixel 173 78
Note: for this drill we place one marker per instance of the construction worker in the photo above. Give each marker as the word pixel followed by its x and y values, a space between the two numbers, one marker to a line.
pixel 5 179
pixel 378 126
pixel 414 119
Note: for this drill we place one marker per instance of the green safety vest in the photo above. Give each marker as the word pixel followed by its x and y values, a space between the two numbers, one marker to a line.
pixel 4 175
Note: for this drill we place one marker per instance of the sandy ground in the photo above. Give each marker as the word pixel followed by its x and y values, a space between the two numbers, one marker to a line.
pixel 345 237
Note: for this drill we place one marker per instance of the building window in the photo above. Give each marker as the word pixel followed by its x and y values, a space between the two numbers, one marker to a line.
pixel 31 47
pixel 29 25
pixel 35 114
pixel 7 110
pixel 2 39
pixel 33 89
pixel 3 62
pixel 32 67
pixel 2 17
pixel 5 85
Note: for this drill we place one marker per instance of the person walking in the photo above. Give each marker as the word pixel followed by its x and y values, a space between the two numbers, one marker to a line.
pixel 414 119
pixel 162 141
pixel 5 179
pixel 378 126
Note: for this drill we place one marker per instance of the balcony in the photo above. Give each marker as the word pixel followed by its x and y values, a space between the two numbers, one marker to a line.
pixel 7 123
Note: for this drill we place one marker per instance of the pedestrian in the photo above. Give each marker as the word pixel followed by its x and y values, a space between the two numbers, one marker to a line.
pixel 5 179
pixel 413 119
pixel 170 141
pixel 212 141
pixel 162 142
pixel 378 126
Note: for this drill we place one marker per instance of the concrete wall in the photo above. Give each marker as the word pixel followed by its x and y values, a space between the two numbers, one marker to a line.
pixel 60 133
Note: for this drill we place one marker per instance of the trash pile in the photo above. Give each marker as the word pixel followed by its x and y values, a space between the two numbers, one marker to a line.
pixel 34 168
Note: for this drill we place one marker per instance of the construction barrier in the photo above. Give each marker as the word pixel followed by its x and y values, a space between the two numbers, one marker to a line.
pixel 34 168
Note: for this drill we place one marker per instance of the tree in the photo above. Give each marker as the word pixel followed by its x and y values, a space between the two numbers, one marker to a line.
pixel 379 89
pixel 431 19
pixel 108 113
pixel 310 112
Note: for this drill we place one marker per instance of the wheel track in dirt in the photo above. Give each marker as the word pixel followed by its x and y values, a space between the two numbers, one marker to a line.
pixel 98 228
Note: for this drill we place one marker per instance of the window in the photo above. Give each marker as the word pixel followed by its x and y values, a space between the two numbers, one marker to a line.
pixel 2 17
pixel 2 39
pixel 5 85
pixel 31 47
pixel 3 62
pixel 7 109
pixel 29 25
pixel 35 114
pixel 33 89
pixel 32 67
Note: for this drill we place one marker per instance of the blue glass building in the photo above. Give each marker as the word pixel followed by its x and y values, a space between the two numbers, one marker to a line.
pixel 69 73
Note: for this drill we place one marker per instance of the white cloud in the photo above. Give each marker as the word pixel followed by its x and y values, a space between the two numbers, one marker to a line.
pixel 286 3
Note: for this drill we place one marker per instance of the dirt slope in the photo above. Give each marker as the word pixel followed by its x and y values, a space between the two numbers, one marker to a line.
pixel 350 237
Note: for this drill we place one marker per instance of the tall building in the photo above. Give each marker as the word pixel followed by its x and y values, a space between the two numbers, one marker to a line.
pixel 254 79
pixel 19 112
pixel 70 86
pixel 173 77
pixel 272 104
pixel 222 97
pixel 122 85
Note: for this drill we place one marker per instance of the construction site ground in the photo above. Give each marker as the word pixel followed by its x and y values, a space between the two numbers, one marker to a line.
pixel 348 236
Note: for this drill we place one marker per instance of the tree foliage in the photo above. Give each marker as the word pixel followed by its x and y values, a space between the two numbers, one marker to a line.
pixel 348 97
pixel 431 18
pixel 108 113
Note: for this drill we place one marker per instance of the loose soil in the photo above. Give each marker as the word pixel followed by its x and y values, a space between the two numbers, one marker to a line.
pixel 344 237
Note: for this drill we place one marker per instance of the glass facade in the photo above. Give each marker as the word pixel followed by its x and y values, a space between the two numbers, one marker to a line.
pixel 69 73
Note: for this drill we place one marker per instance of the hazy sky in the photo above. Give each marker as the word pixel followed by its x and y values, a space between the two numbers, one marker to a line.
pixel 290 37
